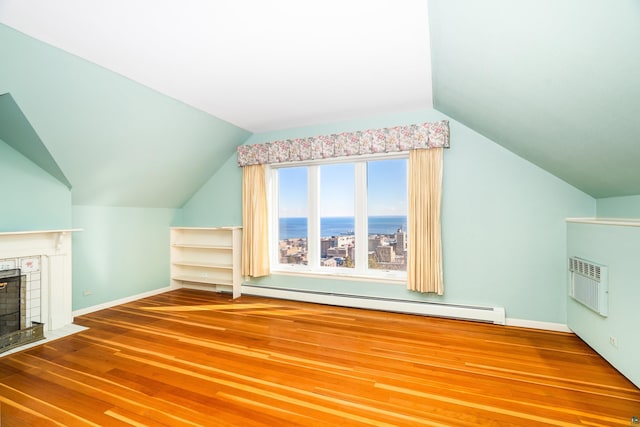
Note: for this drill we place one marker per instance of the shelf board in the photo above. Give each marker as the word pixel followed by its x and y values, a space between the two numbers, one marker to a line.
pixel 200 264
pixel 197 246
pixel 207 280
pixel 208 229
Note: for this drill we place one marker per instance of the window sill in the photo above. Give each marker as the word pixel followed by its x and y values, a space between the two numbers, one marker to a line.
pixel 338 276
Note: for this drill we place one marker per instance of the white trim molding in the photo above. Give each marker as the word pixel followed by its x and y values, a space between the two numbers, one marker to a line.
pixel 125 300
pixel 494 315
pixel 536 324
pixel 622 222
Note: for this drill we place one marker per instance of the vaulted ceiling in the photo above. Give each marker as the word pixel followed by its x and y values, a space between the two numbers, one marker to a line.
pixel 261 65
pixel 554 81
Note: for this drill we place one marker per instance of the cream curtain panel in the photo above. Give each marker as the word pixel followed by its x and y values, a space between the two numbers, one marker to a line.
pixel 255 244
pixel 424 270
pixel 425 143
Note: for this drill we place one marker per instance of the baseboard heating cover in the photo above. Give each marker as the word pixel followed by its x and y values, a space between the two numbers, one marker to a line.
pixel 494 315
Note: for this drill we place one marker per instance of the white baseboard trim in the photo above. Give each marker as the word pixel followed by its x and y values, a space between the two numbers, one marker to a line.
pixel 322 299
pixel 536 324
pixel 467 312
pixel 121 301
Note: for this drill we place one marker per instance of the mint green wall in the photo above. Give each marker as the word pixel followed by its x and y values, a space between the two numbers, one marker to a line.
pixel 616 248
pixel 120 252
pixel 618 207
pixel 31 198
pixel 504 234
pixel 118 142
pixel 219 201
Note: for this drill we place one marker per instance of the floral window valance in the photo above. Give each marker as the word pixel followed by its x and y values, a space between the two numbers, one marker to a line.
pixel 372 141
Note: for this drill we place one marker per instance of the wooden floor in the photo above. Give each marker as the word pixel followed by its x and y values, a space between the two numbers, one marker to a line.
pixel 192 358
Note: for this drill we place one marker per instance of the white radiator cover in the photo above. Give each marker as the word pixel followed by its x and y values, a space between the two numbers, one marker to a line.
pixel 494 315
pixel 588 284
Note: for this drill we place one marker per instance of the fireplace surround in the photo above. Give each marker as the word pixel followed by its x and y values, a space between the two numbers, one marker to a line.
pixel 44 259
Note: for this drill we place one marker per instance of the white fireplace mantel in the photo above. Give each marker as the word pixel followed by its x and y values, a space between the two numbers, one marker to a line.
pixel 54 249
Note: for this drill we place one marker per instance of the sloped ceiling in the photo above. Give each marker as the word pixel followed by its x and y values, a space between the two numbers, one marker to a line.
pixel 118 143
pixel 554 81
pixel 16 131
pixel 166 90
pixel 261 65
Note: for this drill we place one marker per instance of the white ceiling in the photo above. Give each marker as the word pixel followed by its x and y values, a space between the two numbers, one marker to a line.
pixel 260 65
pixel 554 81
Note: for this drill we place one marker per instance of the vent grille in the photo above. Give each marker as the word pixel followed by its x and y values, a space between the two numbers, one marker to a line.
pixel 585 268
pixel 588 284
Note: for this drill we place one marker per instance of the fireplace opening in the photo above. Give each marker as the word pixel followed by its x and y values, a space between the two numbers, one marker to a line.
pixel 9 301
pixel 13 301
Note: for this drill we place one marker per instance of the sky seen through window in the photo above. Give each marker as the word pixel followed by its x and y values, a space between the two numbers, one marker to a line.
pixel 386 189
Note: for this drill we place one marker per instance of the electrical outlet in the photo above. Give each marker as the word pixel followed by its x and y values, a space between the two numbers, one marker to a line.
pixel 87 293
pixel 613 341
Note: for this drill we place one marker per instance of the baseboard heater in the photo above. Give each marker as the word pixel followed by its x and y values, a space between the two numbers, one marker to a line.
pixel 494 315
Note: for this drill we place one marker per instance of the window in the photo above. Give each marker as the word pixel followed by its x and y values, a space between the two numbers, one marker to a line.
pixel 346 218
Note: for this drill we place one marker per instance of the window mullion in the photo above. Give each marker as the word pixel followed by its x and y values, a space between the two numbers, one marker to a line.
pixel 362 243
pixel 313 220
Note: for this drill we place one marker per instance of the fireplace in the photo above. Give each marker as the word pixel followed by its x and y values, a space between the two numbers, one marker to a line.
pixel 14 330
pixel 43 259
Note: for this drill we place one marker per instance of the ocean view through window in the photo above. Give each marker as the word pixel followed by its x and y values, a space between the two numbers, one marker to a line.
pixel 347 218
pixel 291 228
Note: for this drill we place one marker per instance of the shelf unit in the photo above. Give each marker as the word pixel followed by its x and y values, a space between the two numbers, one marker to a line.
pixel 206 258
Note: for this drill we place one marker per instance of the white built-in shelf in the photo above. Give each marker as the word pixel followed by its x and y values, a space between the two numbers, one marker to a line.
pixel 206 258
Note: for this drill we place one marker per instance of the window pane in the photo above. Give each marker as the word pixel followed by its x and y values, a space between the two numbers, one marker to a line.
pixel 292 215
pixel 387 211
pixel 337 215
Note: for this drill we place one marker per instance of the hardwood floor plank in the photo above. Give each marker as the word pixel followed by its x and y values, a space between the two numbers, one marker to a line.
pixel 12 415
pixel 194 358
